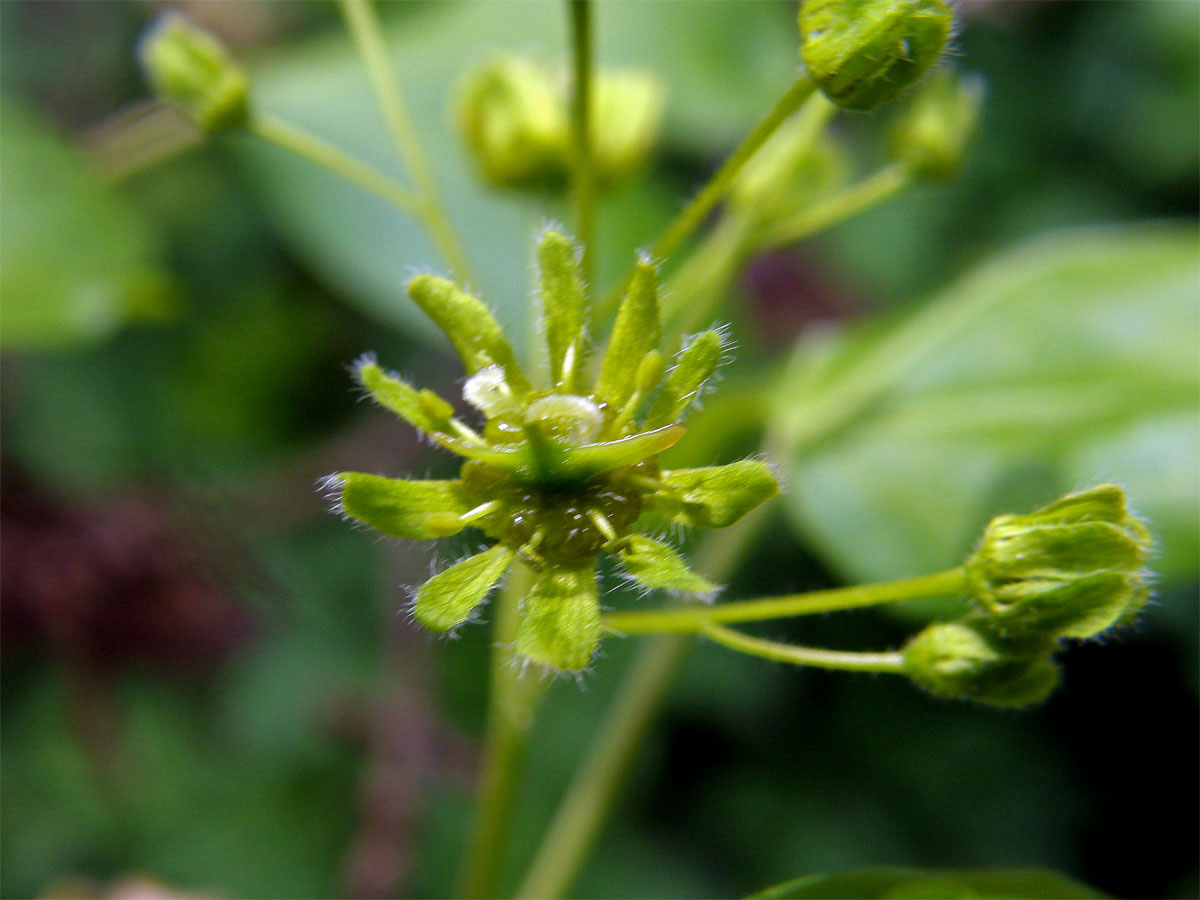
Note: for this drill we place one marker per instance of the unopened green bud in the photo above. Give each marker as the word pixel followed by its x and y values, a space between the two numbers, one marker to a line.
pixel 514 116
pixel 957 660
pixel 514 121
pixel 932 136
pixel 864 53
pixel 1072 569
pixel 190 68
pixel 627 109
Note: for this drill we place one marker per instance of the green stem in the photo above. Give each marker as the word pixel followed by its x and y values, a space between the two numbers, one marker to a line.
pixel 804 656
pixel 869 192
pixel 582 186
pixel 511 702
pixel 315 150
pixel 368 37
pixel 721 182
pixel 601 773
pixel 691 217
pixel 695 618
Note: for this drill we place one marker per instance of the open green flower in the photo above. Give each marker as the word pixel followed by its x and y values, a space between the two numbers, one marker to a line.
pixel 558 474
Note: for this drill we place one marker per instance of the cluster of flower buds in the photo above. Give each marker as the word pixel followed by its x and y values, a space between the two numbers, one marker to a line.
pixel 865 53
pixel 1074 569
pixel 190 69
pixel 557 474
pixel 514 116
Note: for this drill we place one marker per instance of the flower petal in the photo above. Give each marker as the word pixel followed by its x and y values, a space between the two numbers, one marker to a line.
pixel 420 510
pixel 653 564
pixel 472 329
pixel 714 496
pixel 563 308
pixel 637 331
pixel 447 599
pixel 560 619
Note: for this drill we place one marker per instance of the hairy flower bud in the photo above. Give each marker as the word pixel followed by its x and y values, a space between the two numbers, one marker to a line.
pixel 514 117
pixel 1071 569
pixel 932 135
pixel 959 660
pixel 864 53
pixel 190 68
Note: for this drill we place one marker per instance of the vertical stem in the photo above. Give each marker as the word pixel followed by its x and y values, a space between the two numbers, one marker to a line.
pixel 511 703
pixel 602 771
pixel 368 36
pixel 582 186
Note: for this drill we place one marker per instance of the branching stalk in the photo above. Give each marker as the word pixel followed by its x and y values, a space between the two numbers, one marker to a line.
pixel 368 37
pixel 696 618
pixel 891 661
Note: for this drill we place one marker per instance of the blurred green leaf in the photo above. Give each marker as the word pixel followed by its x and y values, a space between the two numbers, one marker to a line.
pixel 76 260
pixel 368 250
pixel 1065 362
pixel 900 883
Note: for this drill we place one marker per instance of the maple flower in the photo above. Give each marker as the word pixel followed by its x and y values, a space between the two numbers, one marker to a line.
pixel 557 474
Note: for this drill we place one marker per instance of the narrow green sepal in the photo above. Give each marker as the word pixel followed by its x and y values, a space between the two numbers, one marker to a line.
pixel 563 308
pixel 637 331
pixel 695 364
pixel 420 510
pixel 654 565
pixel 470 326
pixel 417 407
pixel 560 619
pixel 448 598
pixel 714 496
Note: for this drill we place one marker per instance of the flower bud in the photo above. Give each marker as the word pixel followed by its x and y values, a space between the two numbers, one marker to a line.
pixel 514 116
pixel 190 68
pixel 932 136
pixel 864 53
pixel 1071 569
pixel 958 660
pixel 514 121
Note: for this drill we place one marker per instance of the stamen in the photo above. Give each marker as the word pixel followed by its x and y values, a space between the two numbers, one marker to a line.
pixel 602 524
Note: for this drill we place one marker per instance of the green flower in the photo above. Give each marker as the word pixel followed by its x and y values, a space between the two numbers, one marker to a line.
pixel 560 473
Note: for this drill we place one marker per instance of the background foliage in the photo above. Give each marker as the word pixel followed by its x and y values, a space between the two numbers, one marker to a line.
pixel 210 682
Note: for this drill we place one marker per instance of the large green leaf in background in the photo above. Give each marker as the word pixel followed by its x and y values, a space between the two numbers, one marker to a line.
pixel 367 250
pixel 900 883
pixel 1064 362
pixel 76 259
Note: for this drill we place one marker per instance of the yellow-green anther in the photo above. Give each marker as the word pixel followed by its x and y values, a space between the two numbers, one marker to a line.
pixel 563 308
pixel 560 620
pixel 418 510
pixel 1072 569
pixel 650 372
pixel 696 364
pixel 636 332
pixel 514 121
pixel 957 660
pixel 398 396
pixel 932 136
pixel 654 565
pixel 488 391
pixel 470 326
pixel 435 408
pixel 448 598
pixel 864 53
pixel 715 496
pixel 190 68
